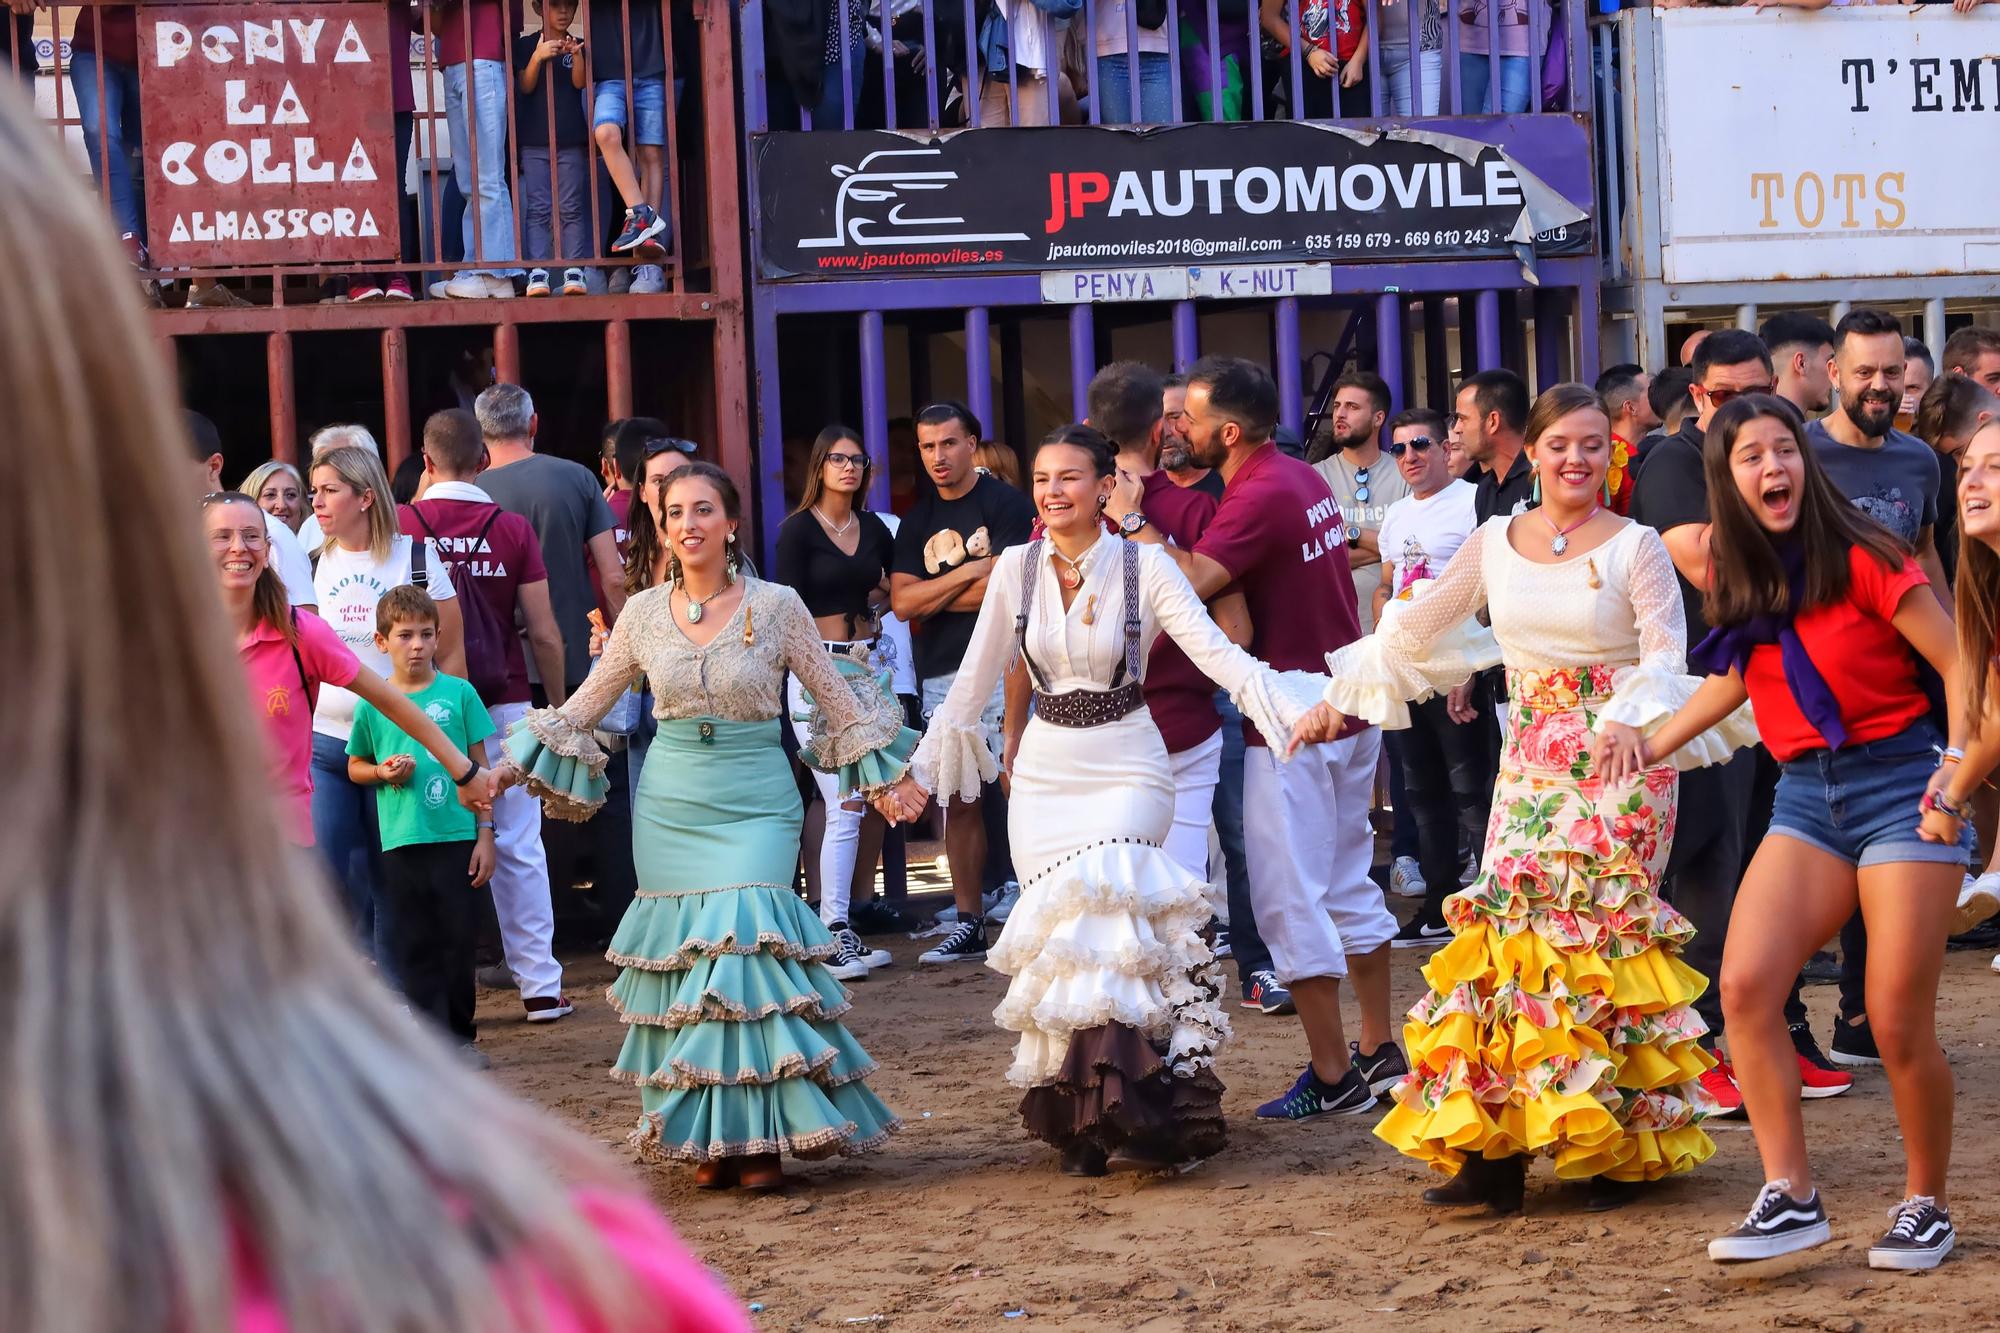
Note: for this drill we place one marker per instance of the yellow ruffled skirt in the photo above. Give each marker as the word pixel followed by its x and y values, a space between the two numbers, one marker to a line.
pixel 1557 1020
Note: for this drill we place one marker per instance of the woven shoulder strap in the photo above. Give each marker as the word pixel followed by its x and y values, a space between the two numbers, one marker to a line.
pixel 1131 608
pixel 1030 567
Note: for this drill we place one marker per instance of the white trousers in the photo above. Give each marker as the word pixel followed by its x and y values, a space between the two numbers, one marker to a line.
pixel 1309 845
pixel 520 881
pixel 1195 770
pixel 840 843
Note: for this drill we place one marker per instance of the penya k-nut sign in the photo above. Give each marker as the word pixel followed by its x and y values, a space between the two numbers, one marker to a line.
pixel 269 134
pixel 871 203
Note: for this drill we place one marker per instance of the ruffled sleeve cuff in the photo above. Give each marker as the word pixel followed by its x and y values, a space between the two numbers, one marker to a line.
pixel 1373 682
pixel 1275 700
pixel 953 762
pixel 1643 697
pixel 559 762
pixel 869 753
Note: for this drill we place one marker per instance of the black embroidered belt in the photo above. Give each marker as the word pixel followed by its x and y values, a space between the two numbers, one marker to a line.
pixel 1090 708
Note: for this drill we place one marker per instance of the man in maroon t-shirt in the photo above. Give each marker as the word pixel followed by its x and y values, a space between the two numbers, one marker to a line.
pixel 1278 537
pixel 503 559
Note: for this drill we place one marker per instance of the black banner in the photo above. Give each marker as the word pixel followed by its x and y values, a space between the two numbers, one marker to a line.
pixel 870 203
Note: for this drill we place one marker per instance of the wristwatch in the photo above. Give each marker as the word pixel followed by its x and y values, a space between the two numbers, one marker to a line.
pixel 1131 523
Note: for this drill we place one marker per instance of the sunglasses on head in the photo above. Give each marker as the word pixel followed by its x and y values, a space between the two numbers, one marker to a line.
pixel 679 446
pixel 1416 444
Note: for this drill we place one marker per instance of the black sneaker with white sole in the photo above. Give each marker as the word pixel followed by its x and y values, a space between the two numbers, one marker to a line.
pixel 965 944
pixel 1381 1069
pixel 1777 1224
pixel 1419 934
pixel 846 964
pixel 1854 1043
pixel 1920 1235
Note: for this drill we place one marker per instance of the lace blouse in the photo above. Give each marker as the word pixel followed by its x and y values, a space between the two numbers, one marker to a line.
pixel 738 676
pixel 1617 605
pixel 1072 654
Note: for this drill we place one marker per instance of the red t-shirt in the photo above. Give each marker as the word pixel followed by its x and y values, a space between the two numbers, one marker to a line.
pixel 489 31
pixel 1180 698
pixel 1278 533
pixel 510 556
pixel 111 31
pixel 282 686
pixel 1866 662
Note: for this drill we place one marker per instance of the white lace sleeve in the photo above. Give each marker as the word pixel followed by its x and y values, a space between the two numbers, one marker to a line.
pixel 849 719
pixel 952 760
pixel 1274 700
pixel 1420 647
pixel 1646 695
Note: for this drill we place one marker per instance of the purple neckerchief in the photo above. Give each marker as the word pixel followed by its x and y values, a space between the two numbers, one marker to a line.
pixel 1729 648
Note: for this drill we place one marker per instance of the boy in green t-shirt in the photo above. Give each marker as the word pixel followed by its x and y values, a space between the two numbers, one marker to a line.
pixel 435 852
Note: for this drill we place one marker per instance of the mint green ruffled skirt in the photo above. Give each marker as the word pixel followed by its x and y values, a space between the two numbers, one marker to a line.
pixel 732 1019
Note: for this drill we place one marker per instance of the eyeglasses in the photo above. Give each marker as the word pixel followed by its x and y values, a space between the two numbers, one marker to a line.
pixel 253 538
pixel 679 446
pixel 1420 444
pixel 1717 397
pixel 848 460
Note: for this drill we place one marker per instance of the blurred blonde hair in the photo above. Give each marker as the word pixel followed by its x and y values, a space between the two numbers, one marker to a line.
pixel 199 1071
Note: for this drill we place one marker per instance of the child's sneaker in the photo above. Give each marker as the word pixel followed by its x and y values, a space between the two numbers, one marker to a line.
pixel 363 289
pixel 538 282
pixel 399 289
pixel 642 224
pixel 648 280
pixel 574 283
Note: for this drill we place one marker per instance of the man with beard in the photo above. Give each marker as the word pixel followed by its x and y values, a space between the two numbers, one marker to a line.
pixel 1801 346
pixel 1175 460
pixel 1362 483
pixel 1890 475
pixel 1279 538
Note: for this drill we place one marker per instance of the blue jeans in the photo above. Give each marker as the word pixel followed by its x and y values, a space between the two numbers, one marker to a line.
pixel 649 97
pixel 1396 73
pixel 1475 83
pixel 492 240
pixel 1246 945
pixel 1156 92
pixel 344 825
pixel 565 212
pixel 115 163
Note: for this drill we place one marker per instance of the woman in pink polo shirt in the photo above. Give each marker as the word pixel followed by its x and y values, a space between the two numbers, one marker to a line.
pixel 288 654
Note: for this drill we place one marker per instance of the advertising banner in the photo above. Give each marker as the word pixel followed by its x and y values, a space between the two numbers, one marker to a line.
pixel 1843 143
pixel 873 203
pixel 269 134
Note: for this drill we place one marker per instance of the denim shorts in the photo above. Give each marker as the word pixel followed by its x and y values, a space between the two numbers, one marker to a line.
pixel 1860 803
pixel 650 95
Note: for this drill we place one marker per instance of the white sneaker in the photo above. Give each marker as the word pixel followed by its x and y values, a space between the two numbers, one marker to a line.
pixel 1978 899
pixel 473 287
pixel 574 283
pixel 538 282
pixel 1004 899
pixel 1406 878
pixel 1996 962
pixel 648 280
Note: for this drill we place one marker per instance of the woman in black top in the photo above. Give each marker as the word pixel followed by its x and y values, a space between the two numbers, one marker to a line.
pixel 836 556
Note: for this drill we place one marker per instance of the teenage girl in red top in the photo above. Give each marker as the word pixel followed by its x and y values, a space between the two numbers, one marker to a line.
pixel 1821 620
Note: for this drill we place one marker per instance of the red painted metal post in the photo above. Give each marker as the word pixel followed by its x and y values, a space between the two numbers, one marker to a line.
pixel 507 353
pixel 284 418
pixel 732 353
pixel 395 396
pixel 618 369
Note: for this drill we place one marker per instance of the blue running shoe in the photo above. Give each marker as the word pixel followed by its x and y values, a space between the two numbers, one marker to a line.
pixel 1311 1096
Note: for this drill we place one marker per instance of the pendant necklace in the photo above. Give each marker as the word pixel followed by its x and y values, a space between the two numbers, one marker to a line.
pixel 841 530
pixel 1561 542
pixel 696 604
pixel 1072 576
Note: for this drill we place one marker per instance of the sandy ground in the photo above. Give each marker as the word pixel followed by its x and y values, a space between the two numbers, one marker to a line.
pixel 964 1220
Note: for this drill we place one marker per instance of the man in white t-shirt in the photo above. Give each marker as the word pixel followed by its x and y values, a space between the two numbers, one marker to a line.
pixel 288 557
pixel 1446 782
pixel 1363 482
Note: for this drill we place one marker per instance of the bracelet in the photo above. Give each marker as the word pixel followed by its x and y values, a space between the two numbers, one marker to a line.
pixel 1949 754
pixel 470 774
pixel 484 825
pixel 1944 805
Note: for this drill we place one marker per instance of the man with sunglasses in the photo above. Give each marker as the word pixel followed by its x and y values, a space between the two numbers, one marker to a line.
pixel 1722 812
pixel 1362 484
pixel 1447 781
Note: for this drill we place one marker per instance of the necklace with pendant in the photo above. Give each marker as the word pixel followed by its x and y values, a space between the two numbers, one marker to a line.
pixel 1561 542
pixel 841 530
pixel 1071 577
pixel 695 605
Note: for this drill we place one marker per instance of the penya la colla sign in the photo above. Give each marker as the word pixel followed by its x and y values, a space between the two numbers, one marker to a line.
pixel 269 134
pixel 873 203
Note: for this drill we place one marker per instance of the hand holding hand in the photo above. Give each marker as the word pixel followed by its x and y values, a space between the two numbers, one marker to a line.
pixel 1320 723
pixel 478 794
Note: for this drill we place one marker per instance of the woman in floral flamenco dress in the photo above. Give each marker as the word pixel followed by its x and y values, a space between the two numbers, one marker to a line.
pixel 1557 1020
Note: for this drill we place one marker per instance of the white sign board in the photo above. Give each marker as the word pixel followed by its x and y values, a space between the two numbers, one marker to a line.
pixel 1228 282
pixel 1842 143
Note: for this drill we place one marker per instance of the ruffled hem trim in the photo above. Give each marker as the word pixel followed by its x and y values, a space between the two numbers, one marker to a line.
pixel 686 1074
pixel 1644 697
pixel 952 762
pixel 1371 682
pixel 835 1140
pixel 1114 1091
pixel 777 945
pixel 877 725
pixel 720 1009
pixel 1274 701
pixel 571 785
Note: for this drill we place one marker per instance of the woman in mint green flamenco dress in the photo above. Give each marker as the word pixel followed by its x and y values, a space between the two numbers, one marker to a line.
pixel 733 1031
